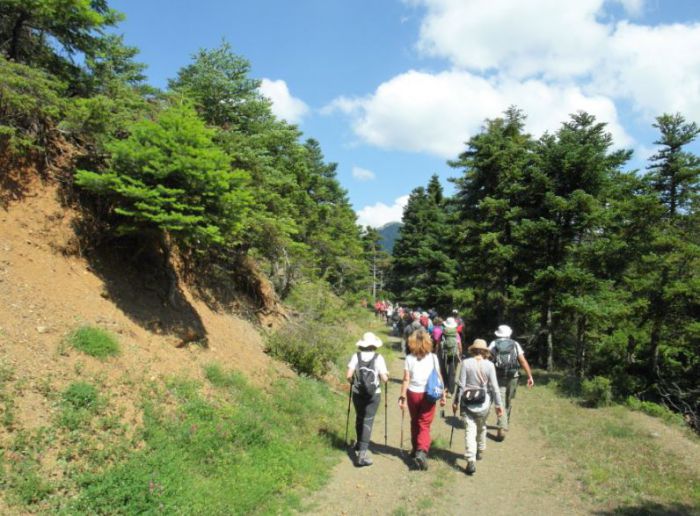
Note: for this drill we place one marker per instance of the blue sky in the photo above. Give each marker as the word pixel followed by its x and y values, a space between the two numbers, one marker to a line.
pixel 393 88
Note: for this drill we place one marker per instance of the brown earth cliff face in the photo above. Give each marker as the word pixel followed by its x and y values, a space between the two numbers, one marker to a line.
pixel 46 294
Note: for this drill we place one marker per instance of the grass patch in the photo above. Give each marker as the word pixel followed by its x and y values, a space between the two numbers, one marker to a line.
pixel 79 404
pixel 241 452
pixel 612 469
pixel 95 342
pixel 655 410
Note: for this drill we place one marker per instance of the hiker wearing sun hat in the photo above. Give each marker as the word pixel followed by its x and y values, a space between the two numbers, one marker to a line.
pixel 508 356
pixel 476 389
pixel 365 369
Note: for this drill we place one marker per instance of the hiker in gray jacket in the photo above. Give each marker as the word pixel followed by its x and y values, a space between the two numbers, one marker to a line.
pixel 476 387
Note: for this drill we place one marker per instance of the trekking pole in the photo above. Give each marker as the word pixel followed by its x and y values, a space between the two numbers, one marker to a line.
pixel 452 433
pixel 347 420
pixel 403 413
pixel 386 401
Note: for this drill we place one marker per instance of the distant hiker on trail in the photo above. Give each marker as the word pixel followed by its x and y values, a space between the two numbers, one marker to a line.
pixel 425 322
pixel 450 352
pixel 476 388
pixel 508 356
pixel 437 333
pixel 365 369
pixel 409 329
pixel 419 365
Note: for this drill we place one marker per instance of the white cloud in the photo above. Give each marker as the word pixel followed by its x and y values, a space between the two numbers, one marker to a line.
pixel 653 67
pixel 284 105
pixel 524 38
pixel 437 113
pixel 657 68
pixel 380 214
pixel 362 174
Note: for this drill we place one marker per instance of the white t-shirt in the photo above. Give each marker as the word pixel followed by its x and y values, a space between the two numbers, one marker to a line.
pixel 379 364
pixel 419 371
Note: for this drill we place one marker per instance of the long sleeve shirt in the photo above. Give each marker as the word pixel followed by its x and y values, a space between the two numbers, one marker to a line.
pixel 469 377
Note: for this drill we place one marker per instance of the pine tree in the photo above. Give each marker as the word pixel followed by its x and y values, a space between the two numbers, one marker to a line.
pixel 489 198
pixel 422 270
pixel 168 177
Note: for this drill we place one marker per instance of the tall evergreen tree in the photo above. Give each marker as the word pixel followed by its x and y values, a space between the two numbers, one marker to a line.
pixel 488 204
pixel 422 271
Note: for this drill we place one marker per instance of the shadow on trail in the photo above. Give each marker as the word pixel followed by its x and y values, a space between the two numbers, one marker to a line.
pixel 651 509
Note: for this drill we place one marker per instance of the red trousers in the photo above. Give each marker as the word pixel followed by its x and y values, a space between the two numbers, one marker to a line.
pixel 422 412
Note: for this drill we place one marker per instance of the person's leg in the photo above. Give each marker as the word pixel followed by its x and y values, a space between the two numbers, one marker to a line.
pixel 480 423
pixel 368 420
pixel 470 437
pixel 451 368
pixel 512 388
pixel 426 414
pixel 413 400
pixel 503 420
pixel 360 403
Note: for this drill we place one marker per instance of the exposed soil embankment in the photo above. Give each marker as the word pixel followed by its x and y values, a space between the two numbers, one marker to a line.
pixel 46 293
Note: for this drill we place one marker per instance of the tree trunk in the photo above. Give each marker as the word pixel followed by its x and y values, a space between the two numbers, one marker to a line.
pixel 16 32
pixel 654 339
pixel 550 343
pixel 165 246
pixel 581 347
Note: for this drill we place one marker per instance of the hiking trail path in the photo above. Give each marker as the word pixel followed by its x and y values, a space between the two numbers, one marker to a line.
pixel 518 475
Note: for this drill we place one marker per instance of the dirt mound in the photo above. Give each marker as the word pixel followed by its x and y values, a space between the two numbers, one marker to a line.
pixel 45 294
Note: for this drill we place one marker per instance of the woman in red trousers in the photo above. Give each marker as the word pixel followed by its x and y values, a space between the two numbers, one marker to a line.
pixel 420 363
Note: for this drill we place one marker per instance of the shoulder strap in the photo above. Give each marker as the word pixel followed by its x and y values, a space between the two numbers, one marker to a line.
pixel 480 373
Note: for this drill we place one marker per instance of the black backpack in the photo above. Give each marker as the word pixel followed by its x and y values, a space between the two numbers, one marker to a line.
pixel 505 353
pixel 366 378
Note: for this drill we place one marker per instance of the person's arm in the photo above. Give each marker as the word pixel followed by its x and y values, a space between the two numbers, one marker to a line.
pixel 461 382
pixel 404 389
pixel 526 366
pixel 349 374
pixel 443 400
pixel 383 372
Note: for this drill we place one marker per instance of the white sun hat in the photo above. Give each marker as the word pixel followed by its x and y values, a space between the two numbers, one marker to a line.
pixel 369 339
pixel 450 323
pixel 504 331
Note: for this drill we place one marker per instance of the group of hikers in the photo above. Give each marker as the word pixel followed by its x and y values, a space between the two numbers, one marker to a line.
pixel 488 375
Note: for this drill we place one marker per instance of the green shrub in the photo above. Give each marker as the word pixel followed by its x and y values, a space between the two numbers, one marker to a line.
pixel 95 342
pixel 655 410
pixel 311 349
pixel 597 392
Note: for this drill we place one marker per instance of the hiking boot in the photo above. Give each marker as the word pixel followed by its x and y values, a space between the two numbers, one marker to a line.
pixel 471 467
pixel 479 454
pixel 501 435
pixel 363 459
pixel 421 460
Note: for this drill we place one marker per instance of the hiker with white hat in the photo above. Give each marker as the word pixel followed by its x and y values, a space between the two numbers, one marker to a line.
pixel 365 370
pixel 508 357
pixel 476 389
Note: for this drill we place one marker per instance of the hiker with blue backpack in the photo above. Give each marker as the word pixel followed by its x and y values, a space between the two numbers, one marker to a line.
pixel 508 357
pixel 365 370
pixel 421 389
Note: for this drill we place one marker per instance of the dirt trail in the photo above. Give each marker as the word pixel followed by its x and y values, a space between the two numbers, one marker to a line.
pixel 517 475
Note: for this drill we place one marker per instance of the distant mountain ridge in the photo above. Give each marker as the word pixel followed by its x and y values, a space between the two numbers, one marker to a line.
pixel 389 233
